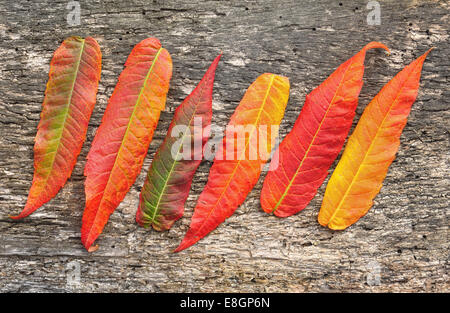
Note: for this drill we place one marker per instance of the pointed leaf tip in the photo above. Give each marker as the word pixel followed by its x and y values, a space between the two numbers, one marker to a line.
pixel 178 249
pixel 428 51
pixel 376 44
pixel 184 245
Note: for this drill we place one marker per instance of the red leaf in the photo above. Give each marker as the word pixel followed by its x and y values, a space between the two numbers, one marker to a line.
pixel 234 175
pixel 169 178
pixel 70 97
pixel 303 158
pixel 127 128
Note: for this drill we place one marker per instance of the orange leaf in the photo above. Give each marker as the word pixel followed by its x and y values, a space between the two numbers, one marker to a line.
pixel 70 97
pixel 127 128
pixel 370 150
pixel 236 170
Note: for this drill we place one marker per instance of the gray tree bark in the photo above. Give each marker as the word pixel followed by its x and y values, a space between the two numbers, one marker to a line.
pixel 400 245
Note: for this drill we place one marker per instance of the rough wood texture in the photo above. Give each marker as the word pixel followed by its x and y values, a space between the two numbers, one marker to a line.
pixel 400 245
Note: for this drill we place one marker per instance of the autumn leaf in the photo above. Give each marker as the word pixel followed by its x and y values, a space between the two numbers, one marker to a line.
pixel 370 150
pixel 69 99
pixel 121 142
pixel 307 152
pixel 169 179
pixel 237 164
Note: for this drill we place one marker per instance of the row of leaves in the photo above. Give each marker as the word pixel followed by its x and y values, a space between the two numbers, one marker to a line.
pixel 297 170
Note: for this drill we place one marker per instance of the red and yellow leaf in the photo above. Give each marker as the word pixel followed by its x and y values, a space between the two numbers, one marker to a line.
pixel 234 173
pixel 70 97
pixel 121 142
pixel 170 175
pixel 303 158
pixel 370 150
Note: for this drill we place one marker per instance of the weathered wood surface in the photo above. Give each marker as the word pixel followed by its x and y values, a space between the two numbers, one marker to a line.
pixel 400 245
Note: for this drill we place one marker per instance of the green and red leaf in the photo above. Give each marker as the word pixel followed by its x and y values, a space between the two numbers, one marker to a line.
pixel 121 142
pixel 169 178
pixel 70 97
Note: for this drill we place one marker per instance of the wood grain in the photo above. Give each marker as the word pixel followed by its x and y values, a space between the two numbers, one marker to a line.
pixel 400 245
